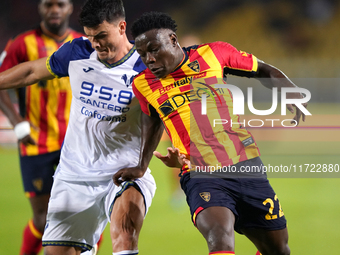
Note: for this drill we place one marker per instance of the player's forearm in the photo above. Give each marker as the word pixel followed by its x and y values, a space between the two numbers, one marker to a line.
pixel 8 109
pixel 24 74
pixel 152 130
pixel 271 77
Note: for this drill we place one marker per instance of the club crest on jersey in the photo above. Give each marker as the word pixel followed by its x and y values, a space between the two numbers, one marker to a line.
pixel 126 80
pixel 38 184
pixel 195 66
pixel 166 108
pixel 205 196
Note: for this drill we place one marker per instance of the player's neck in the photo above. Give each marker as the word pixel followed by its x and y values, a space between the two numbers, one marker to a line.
pixel 59 35
pixel 180 58
pixel 122 52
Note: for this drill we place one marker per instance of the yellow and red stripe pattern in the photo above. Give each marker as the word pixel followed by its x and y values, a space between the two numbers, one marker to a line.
pixel 176 100
pixel 45 104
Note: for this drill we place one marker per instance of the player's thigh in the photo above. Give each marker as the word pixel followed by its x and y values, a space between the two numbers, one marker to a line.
pixel 128 211
pixel 37 173
pixel 216 224
pixel 269 241
pixel 212 203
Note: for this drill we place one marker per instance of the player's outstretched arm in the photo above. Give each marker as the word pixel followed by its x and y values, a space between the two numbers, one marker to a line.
pixel 25 74
pixel 20 76
pixel 271 77
pixel 152 130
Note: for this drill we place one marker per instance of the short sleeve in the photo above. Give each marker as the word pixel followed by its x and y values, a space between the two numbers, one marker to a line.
pixel 58 62
pixel 236 62
pixel 14 54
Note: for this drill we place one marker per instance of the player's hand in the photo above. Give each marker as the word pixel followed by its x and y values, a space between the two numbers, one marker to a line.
pixel 298 112
pixel 173 158
pixel 22 130
pixel 127 174
pixel 28 140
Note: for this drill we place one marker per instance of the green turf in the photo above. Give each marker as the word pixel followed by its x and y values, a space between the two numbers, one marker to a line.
pixel 311 206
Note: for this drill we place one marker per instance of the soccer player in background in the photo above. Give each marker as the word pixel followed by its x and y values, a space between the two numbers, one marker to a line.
pixel 44 113
pixel 218 205
pixel 103 135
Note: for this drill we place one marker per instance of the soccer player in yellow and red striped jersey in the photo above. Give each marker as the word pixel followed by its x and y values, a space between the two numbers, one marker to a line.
pixel 169 89
pixel 43 114
pixel 176 98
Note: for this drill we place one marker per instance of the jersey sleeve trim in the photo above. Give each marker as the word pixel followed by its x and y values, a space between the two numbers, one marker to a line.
pixel 49 67
pixel 255 64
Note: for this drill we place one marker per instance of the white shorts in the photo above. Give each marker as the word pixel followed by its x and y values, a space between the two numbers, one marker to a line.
pixel 78 211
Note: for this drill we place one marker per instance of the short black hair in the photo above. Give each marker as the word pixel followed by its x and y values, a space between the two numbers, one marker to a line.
pixel 95 12
pixel 152 20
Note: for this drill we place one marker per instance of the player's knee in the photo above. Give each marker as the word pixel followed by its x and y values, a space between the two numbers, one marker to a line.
pixel 219 238
pixel 124 241
pixel 124 235
pixel 40 220
pixel 282 249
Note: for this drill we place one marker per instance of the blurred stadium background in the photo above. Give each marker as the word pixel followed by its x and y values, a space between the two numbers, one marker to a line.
pixel 299 37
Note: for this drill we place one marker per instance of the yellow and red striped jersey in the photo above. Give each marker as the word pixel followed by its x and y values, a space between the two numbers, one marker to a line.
pixel 177 100
pixel 45 104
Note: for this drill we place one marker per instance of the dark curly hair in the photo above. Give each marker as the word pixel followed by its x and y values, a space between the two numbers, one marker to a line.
pixel 95 12
pixel 152 20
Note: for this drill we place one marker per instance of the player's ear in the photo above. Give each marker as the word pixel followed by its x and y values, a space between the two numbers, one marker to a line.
pixel 122 26
pixel 174 39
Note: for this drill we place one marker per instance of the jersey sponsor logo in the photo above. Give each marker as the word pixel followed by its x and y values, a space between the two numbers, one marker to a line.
pixel 88 69
pixel 201 75
pixel 166 108
pixel 105 96
pixel 100 116
pixel 185 81
pixel 195 66
pixel 103 105
pixel 205 196
pixel 127 81
pixel 195 93
pixel 211 94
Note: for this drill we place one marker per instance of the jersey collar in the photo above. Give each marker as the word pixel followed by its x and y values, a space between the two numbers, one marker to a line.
pixel 121 61
pixel 185 58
